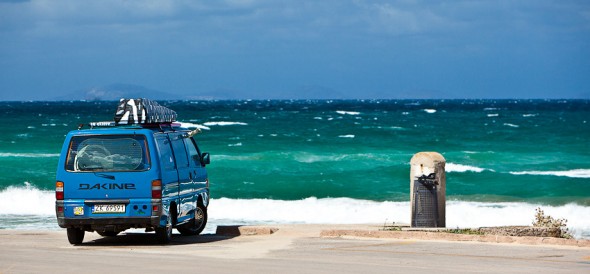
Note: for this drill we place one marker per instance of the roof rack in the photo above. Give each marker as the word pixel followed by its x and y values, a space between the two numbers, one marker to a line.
pixel 139 112
pixel 101 124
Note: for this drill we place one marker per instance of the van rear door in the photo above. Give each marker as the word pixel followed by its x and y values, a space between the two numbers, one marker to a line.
pixel 107 167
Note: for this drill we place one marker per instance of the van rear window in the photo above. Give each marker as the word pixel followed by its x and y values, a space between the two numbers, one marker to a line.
pixel 108 153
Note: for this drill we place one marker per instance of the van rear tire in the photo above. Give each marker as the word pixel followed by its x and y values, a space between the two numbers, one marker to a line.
pixel 75 235
pixel 196 225
pixel 164 234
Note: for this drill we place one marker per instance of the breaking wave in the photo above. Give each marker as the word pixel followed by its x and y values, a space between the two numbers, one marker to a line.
pixel 511 125
pixel 451 167
pixel 193 125
pixel 342 112
pixel 27 199
pixel 463 214
pixel 31 208
pixel 224 123
pixel 574 173
pixel 28 155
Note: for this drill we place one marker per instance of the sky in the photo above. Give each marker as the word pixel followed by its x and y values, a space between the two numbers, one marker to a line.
pixel 279 49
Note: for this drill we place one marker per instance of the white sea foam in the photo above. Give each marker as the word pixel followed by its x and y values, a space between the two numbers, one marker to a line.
pixel 430 110
pixel 193 125
pixel 241 157
pixel 224 123
pixel 383 127
pixel 493 115
pixel 574 173
pixel 310 158
pixel 353 211
pixel 31 208
pixel 451 167
pixel 28 155
pixel 342 112
pixel 530 115
pixel 26 200
pixel 347 136
pixel 511 125
pixel 310 210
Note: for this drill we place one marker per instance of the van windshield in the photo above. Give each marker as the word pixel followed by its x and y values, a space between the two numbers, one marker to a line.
pixel 108 153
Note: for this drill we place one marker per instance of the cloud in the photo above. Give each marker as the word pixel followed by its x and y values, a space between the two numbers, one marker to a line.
pixel 402 19
pixel 248 45
pixel 283 20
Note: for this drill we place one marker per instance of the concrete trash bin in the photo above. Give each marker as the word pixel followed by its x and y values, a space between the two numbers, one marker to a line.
pixel 427 190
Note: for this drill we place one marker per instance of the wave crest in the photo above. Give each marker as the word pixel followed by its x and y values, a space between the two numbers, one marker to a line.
pixel 574 173
pixel 342 112
pixel 451 167
pixel 27 200
pixel 224 123
pixel 16 202
pixel 28 155
pixel 193 125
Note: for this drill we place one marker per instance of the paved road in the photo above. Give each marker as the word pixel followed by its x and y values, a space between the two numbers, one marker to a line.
pixel 292 249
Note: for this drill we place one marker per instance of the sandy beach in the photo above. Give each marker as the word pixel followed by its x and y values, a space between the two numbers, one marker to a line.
pixel 285 249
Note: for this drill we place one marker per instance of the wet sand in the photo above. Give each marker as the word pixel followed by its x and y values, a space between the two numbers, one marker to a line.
pixel 281 249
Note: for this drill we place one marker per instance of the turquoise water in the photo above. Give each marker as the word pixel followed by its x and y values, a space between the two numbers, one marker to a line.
pixel 503 154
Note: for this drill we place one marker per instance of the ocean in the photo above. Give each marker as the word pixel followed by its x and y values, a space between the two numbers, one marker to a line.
pixel 337 161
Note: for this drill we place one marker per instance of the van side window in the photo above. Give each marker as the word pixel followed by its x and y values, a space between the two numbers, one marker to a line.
pixel 179 151
pixel 166 156
pixel 193 154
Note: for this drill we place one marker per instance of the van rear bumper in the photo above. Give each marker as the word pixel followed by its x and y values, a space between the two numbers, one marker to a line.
pixel 152 221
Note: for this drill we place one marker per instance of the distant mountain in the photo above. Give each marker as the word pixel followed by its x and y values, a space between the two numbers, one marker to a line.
pixel 115 92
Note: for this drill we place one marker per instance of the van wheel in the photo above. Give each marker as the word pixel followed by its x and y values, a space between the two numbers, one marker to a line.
pixel 107 233
pixel 164 234
pixel 75 235
pixel 197 224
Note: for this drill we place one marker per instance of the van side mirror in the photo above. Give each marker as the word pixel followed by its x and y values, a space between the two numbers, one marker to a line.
pixel 205 158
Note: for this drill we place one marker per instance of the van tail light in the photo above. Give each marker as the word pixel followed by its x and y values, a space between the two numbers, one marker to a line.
pixel 156 189
pixel 59 190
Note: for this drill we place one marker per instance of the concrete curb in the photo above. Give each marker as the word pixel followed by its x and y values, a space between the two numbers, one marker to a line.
pixel 236 230
pixel 424 235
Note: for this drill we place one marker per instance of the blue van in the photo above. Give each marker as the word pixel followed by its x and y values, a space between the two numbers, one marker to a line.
pixel 142 171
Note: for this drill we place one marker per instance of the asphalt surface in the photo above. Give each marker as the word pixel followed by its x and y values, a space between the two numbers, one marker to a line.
pixel 291 249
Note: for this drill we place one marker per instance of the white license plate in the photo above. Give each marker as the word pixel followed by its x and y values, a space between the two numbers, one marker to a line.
pixel 115 208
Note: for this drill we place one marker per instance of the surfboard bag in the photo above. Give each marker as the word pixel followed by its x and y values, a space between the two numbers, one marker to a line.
pixel 142 111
